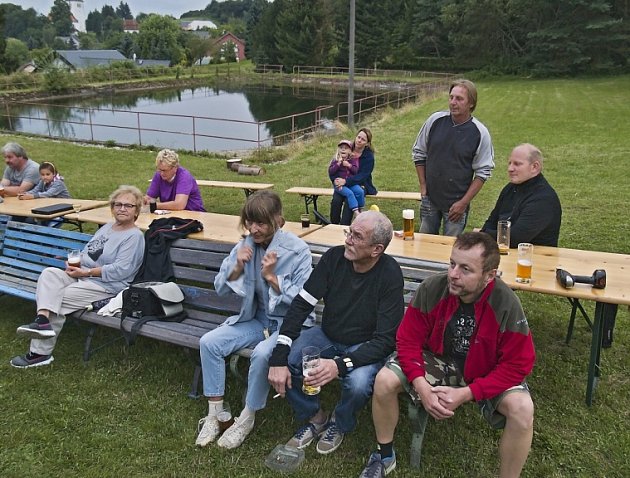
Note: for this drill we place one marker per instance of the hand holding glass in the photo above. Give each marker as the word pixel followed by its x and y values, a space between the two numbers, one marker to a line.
pixel 310 360
pixel 74 258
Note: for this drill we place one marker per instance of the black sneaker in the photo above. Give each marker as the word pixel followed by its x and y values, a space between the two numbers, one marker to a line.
pixel 31 360
pixel 35 330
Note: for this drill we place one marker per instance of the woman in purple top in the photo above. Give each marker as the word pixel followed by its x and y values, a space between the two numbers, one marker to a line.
pixel 172 186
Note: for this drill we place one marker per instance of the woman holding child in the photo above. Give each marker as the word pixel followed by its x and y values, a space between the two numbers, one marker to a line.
pixel 267 268
pixel 362 149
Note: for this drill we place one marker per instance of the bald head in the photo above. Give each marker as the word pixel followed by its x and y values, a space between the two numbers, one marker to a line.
pixel 379 224
pixel 525 162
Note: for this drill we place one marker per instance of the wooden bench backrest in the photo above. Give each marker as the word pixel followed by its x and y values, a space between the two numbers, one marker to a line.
pixel 27 249
pixel 196 263
pixel 4 219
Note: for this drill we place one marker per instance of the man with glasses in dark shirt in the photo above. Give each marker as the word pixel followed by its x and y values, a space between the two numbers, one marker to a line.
pixel 362 290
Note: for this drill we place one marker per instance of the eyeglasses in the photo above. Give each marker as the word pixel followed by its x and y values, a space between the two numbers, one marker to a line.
pixel 352 236
pixel 122 205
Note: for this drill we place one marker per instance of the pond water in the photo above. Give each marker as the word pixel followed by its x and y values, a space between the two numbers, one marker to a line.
pixel 202 118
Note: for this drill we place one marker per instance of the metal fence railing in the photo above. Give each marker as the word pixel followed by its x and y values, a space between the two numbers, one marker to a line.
pixel 123 127
pixel 199 133
pixel 335 71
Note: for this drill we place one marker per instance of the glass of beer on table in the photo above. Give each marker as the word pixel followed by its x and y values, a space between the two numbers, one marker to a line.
pixel 310 360
pixel 503 236
pixel 524 263
pixel 408 224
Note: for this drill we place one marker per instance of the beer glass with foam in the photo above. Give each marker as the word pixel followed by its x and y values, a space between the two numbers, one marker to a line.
pixel 524 263
pixel 310 360
pixel 74 258
pixel 408 227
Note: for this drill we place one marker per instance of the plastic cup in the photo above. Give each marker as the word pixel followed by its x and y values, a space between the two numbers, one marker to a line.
pixel 152 205
pixel 225 418
pixel 74 258
pixel 306 220
pixel 310 360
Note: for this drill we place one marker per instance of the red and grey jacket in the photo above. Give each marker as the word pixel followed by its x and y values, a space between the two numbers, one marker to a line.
pixel 501 352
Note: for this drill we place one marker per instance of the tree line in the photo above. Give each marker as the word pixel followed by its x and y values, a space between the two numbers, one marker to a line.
pixel 32 36
pixel 533 37
pixel 524 37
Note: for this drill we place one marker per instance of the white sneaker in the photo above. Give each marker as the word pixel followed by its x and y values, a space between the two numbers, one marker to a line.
pixel 208 430
pixel 234 436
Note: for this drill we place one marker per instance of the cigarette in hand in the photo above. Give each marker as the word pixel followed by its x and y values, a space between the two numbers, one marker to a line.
pixel 276 395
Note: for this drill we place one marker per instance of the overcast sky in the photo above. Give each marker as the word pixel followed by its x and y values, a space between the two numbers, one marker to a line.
pixel 164 7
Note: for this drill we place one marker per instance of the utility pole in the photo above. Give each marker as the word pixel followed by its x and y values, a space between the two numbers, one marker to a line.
pixel 351 67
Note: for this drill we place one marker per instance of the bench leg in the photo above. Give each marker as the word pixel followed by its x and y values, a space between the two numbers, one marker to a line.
pixel 418 418
pixel 197 379
pixel 194 386
pixel 234 367
pixel 88 350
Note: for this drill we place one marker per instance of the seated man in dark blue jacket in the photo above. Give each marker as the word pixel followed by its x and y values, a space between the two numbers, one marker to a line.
pixel 528 201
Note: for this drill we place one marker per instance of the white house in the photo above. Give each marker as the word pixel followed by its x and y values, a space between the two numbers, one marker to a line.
pixel 78 15
pixel 197 25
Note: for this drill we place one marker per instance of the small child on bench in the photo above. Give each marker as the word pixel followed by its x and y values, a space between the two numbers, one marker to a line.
pixel 345 165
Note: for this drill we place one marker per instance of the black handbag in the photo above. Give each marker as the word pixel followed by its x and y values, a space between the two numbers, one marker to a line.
pixel 146 301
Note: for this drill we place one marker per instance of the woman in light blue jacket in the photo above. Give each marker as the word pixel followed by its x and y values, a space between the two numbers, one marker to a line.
pixel 267 269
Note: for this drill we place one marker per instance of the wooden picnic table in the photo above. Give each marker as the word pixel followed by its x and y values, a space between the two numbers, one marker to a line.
pixel 12 206
pixel 545 262
pixel 217 227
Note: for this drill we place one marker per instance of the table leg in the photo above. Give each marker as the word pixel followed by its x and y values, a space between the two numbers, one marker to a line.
pixel 603 312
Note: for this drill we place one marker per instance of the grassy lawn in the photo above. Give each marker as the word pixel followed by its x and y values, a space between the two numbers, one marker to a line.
pixel 126 413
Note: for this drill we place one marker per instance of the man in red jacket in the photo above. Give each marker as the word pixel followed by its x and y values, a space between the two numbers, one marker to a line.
pixel 464 337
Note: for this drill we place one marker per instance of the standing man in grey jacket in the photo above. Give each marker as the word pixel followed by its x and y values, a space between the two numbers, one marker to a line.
pixel 453 155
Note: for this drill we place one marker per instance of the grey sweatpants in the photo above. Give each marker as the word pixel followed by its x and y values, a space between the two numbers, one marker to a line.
pixel 60 294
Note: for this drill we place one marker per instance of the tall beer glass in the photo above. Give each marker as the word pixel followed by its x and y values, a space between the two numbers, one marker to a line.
pixel 310 360
pixel 408 227
pixel 524 263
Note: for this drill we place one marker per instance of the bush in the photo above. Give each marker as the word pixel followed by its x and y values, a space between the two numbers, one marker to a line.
pixel 56 80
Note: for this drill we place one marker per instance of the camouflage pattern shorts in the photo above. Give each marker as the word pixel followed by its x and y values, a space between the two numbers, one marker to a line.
pixel 439 371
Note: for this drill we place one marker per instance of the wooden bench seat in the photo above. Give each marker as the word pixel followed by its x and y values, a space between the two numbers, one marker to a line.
pixel 195 264
pixel 311 195
pixel 248 188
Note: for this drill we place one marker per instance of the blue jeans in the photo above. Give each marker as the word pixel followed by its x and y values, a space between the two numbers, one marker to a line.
pixel 354 195
pixel 227 339
pixel 356 386
pixel 432 219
